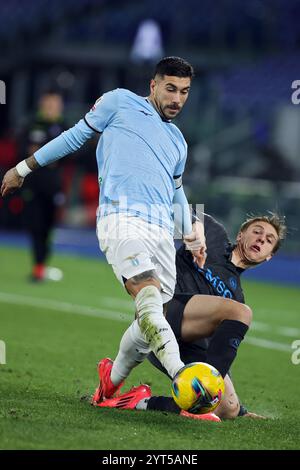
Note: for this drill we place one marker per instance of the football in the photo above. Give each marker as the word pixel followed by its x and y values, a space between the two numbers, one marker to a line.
pixel 198 388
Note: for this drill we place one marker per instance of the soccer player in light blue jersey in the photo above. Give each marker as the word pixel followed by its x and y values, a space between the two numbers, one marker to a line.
pixel 141 156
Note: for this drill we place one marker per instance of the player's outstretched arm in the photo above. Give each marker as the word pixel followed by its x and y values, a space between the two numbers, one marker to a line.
pixel 196 243
pixel 182 216
pixel 11 181
pixel 193 235
pixel 13 178
pixel 251 415
pixel 66 143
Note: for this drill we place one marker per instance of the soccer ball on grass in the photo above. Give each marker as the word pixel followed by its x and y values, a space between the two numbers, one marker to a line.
pixel 198 388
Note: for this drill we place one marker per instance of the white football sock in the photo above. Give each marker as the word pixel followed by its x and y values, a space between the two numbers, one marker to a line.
pixel 156 330
pixel 132 351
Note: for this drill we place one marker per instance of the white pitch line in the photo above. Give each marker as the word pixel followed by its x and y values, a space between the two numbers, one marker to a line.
pixel 266 344
pixel 117 303
pixel 17 299
pixel 290 332
pixel 258 326
pixel 280 330
pixel 67 307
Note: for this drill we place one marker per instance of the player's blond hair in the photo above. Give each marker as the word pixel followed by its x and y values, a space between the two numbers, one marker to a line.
pixel 277 221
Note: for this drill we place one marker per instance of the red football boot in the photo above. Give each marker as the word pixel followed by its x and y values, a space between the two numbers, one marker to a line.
pixel 129 400
pixel 106 388
pixel 204 417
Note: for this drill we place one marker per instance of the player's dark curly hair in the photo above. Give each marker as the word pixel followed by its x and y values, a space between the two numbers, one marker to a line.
pixel 175 67
pixel 277 221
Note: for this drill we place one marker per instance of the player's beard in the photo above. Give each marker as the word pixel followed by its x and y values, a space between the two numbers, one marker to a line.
pixel 162 110
pixel 242 252
pixel 171 108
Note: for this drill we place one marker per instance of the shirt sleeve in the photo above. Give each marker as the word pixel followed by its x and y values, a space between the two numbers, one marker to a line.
pixel 181 163
pixel 182 217
pixel 103 111
pixel 67 142
pixel 180 167
pixel 216 236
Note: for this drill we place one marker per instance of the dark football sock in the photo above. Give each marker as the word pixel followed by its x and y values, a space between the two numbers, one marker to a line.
pixel 163 404
pixel 243 410
pixel 224 343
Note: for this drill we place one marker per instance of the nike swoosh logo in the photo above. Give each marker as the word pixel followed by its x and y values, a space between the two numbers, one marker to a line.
pixel 144 112
pixel 162 347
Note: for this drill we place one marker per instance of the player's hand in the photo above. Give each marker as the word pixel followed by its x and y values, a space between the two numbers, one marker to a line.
pixel 11 181
pixel 196 239
pixel 253 416
pixel 200 258
pixel 196 243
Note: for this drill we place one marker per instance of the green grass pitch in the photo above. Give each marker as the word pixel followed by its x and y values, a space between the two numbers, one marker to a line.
pixel 56 332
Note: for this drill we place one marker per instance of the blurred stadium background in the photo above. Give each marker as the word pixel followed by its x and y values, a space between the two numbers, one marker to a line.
pixel 240 122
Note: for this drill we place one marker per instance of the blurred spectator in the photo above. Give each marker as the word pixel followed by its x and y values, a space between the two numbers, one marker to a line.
pixel 8 150
pixel 43 192
pixel 276 166
pixel 8 158
pixel 147 46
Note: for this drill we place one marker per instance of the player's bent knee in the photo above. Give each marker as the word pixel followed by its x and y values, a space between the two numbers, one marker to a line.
pixel 240 312
pixel 231 411
pixel 247 314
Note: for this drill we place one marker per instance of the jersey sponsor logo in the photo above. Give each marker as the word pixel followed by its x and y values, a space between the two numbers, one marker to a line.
pixel 144 112
pixel 216 282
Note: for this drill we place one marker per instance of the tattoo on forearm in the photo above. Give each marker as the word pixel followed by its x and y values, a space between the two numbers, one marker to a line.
pixel 32 163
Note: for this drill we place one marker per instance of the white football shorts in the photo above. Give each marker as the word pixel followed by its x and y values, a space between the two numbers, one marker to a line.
pixel 133 246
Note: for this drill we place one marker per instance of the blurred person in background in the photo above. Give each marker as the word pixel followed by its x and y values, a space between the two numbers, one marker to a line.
pixel 43 191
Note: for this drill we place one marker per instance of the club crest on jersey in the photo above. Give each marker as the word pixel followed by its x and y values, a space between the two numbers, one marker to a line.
pixel 134 260
pixel 233 283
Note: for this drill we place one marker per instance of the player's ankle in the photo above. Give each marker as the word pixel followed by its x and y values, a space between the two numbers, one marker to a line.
pixel 38 270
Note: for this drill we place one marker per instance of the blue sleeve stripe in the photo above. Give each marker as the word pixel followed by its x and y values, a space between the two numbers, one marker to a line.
pixel 91 127
pixel 178 181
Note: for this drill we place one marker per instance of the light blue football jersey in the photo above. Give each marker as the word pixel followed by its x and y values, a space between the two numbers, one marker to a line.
pixel 138 155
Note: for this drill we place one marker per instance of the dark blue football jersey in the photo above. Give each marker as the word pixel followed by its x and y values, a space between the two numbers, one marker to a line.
pixel 219 276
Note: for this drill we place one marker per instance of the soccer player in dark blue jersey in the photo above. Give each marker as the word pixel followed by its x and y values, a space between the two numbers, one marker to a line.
pixel 208 301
